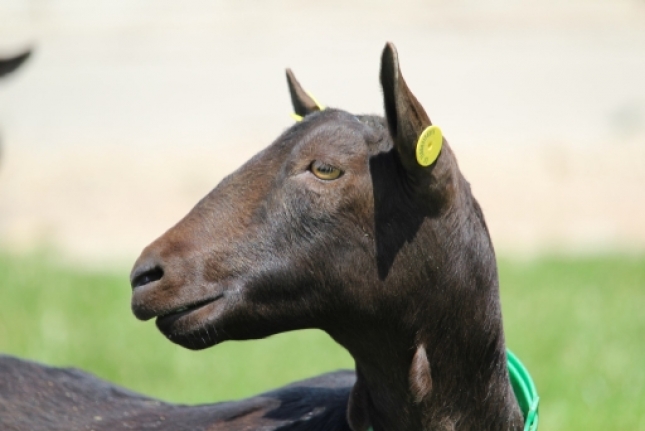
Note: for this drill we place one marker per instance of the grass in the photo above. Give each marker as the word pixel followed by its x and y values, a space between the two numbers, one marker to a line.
pixel 577 323
pixel 579 326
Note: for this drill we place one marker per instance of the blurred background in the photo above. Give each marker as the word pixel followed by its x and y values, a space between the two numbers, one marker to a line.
pixel 128 112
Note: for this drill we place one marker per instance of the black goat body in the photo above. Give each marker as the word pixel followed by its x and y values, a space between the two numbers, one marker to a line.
pixel 35 397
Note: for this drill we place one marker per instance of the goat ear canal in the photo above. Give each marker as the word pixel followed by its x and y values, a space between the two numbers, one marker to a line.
pixel 416 140
pixel 303 103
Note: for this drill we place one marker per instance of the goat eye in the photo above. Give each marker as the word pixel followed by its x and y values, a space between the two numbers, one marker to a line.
pixel 325 171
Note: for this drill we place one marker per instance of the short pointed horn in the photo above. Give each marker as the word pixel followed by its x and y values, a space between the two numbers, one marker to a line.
pixel 303 103
pixel 8 65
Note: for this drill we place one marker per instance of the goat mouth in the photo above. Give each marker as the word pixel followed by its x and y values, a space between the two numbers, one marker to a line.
pixel 167 318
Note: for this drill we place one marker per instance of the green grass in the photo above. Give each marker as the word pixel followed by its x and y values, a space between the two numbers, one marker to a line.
pixel 577 323
pixel 579 326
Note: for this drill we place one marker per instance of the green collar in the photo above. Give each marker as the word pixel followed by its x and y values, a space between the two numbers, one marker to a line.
pixel 524 390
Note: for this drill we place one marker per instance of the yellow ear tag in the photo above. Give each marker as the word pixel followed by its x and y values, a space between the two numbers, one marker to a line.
pixel 318 104
pixel 429 145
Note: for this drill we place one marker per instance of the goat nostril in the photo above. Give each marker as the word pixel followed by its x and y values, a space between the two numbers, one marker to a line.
pixel 143 276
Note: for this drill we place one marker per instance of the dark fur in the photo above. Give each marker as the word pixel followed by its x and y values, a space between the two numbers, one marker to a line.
pixel 8 65
pixel 34 397
pixel 392 259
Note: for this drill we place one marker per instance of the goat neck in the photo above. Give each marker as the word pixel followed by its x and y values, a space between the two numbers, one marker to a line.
pixel 433 357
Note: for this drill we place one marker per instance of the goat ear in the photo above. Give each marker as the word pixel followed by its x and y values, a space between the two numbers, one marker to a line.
pixel 406 118
pixel 303 103
pixel 8 65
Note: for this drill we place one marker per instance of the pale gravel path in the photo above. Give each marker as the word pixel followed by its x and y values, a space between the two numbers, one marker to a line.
pixel 128 114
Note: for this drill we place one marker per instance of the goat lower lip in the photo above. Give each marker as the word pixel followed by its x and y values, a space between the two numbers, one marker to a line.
pixel 187 309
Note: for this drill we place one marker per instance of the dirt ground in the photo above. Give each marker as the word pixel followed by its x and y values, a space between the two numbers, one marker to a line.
pixel 129 113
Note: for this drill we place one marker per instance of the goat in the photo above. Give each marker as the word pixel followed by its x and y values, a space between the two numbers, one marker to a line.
pixel 342 224
pixel 8 65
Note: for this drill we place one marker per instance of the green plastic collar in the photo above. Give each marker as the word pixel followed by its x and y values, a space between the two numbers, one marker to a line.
pixel 524 390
